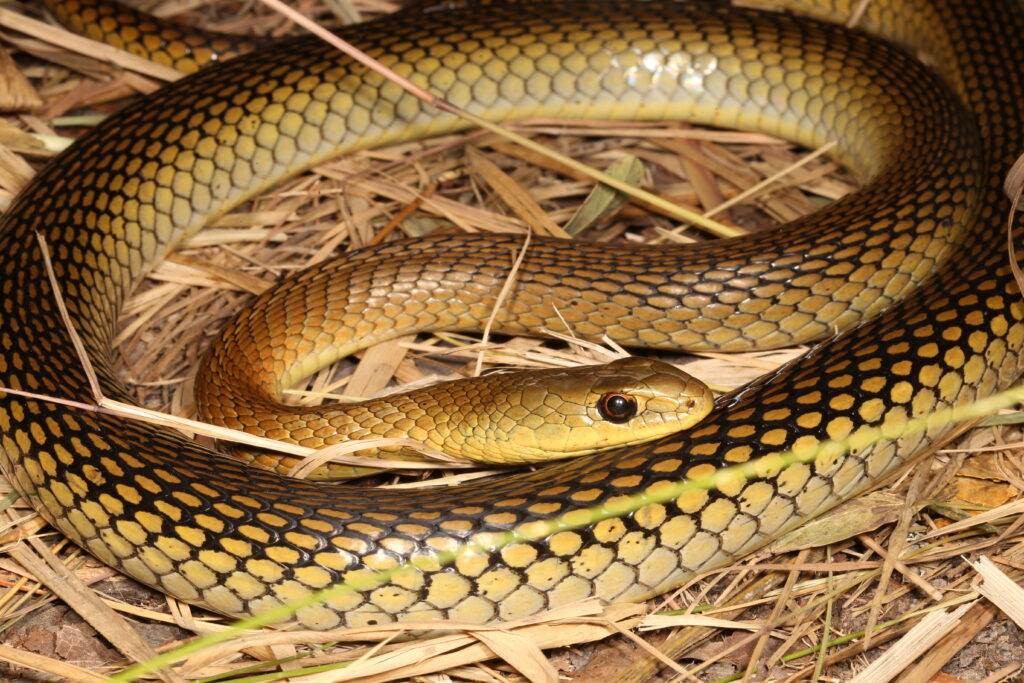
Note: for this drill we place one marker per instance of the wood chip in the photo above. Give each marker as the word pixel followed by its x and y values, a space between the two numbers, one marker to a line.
pixel 916 641
pixel 15 172
pixel 17 94
pixel 378 366
pixel 1000 589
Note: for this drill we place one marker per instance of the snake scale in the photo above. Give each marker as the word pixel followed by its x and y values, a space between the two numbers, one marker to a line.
pixel 911 267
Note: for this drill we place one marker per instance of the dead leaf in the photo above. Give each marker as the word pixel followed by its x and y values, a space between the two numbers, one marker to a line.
pixel 520 653
pixel 78 645
pixel 983 466
pixel 604 200
pixel 983 492
pixel 858 516
pixel 738 657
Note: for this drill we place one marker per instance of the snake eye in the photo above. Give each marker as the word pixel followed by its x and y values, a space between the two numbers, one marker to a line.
pixel 616 408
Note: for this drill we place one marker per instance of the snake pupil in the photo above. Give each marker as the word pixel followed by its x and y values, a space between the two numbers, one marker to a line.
pixel 617 407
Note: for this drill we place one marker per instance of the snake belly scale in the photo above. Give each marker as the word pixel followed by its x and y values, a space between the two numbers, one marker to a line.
pixel 916 254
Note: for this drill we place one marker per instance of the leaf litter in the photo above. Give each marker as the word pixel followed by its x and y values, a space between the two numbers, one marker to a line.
pixel 772 608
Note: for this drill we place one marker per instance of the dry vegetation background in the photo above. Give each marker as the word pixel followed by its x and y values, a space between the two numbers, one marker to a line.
pixel 903 561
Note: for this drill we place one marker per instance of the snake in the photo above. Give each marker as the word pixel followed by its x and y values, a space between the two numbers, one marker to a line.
pixel 529 416
pixel 905 284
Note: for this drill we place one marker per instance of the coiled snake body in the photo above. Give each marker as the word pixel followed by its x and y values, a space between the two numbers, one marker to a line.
pixel 238 540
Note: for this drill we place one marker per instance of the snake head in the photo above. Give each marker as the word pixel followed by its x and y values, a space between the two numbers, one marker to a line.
pixel 534 416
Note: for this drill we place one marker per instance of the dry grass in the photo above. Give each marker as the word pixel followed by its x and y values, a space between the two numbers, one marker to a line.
pixel 890 561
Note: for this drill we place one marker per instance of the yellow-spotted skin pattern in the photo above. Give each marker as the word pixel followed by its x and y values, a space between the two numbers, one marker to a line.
pixel 926 227
pixel 505 418
pixel 181 48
